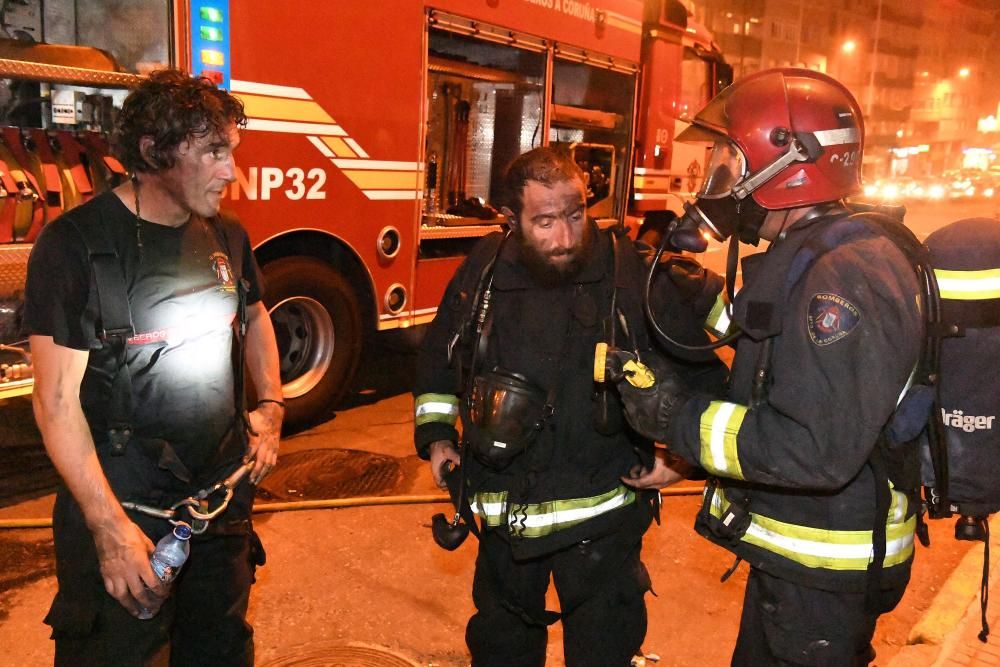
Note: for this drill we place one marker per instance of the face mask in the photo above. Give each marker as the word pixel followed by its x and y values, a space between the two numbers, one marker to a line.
pixel 725 206
pixel 717 219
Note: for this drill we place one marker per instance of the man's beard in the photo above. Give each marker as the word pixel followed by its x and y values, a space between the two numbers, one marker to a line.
pixel 541 267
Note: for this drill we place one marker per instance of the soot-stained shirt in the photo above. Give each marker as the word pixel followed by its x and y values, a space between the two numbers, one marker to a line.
pixel 182 295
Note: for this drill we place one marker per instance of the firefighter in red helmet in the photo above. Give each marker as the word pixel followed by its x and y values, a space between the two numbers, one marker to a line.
pixel 805 483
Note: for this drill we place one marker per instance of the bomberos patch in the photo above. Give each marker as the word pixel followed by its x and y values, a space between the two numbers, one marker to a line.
pixel 830 317
pixel 223 271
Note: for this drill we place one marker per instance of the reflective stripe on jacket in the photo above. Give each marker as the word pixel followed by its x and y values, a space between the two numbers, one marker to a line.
pixel 969 285
pixel 540 519
pixel 720 424
pixel 718 320
pixel 435 408
pixel 824 548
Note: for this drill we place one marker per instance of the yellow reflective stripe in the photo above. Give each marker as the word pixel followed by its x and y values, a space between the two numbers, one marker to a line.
pixel 263 106
pixel 540 519
pixel 435 408
pixel 842 550
pixel 900 504
pixel 545 518
pixel 720 424
pixel 491 506
pixel 388 179
pixel 969 285
pixel 718 321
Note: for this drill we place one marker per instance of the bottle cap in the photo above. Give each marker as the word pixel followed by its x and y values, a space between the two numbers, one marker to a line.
pixel 182 531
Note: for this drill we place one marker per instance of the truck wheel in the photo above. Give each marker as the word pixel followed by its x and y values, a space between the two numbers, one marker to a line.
pixel 317 322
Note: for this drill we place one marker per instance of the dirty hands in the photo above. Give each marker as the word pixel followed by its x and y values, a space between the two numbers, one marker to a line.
pixel 265 435
pixel 123 552
pixel 442 453
pixel 668 469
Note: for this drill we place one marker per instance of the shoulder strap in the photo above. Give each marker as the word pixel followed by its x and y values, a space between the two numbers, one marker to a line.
pixel 109 280
pixel 115 326
pixel 242 292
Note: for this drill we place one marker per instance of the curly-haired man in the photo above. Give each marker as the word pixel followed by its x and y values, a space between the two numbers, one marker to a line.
pixel 135 303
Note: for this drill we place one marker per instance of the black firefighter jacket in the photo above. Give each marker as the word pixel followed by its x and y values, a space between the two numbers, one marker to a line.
pixel 567 486
pixel 835 334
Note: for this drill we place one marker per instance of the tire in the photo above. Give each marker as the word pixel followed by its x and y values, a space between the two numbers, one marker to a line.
pixel 317 322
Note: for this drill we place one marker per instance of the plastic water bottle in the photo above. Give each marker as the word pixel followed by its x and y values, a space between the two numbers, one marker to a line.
pixel 169 556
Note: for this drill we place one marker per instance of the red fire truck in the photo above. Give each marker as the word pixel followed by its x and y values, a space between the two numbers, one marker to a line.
pixel 377 135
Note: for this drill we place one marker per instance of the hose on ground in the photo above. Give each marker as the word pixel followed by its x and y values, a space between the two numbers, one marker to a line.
pixel 334 503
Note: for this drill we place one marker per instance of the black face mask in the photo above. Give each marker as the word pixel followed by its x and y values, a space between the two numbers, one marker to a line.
pixel 719 218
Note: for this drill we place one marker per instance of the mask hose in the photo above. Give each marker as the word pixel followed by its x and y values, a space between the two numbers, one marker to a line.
pixel 647 293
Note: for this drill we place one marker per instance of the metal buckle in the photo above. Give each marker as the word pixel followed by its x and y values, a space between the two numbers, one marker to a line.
pixel 198 506
pixel 118 438
pixel 108 334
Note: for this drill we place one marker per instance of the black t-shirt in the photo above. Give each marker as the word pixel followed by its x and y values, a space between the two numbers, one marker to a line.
pixel 182 295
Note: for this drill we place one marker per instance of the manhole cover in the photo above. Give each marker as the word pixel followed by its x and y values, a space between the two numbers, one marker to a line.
pixel 332 655
pixel 320 474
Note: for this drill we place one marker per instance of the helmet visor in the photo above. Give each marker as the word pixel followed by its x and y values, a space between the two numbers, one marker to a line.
pixel 726 167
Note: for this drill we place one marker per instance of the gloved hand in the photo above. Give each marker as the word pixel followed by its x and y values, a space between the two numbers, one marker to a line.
pixel 697 286
pixel 649 408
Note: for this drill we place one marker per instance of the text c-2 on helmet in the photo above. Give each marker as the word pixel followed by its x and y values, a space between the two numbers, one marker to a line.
pixel 783 138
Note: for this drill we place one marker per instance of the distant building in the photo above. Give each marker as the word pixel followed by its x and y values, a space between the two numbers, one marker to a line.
pixel 917 67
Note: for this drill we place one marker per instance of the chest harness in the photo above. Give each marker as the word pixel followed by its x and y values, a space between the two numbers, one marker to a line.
pixel 502 411
pixel 114 330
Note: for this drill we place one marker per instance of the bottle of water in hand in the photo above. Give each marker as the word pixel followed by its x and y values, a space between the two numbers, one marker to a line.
pixel 168 557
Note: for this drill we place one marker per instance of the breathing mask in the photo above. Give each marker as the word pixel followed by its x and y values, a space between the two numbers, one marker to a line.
pixel 724 207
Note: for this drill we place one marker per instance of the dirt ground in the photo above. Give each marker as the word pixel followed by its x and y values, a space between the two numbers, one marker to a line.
pixel 371 579
pixel 372 576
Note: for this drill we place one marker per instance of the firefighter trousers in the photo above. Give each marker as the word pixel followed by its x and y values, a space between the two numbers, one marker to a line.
pixel 203 622
pixel 600 585
pixel 784 623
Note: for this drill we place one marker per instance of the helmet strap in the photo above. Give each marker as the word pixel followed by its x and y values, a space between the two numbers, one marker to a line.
pixel 797 152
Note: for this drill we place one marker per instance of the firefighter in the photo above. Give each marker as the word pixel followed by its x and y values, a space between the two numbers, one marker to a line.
pixel 137 396
pixel 804 485
pixel 543 454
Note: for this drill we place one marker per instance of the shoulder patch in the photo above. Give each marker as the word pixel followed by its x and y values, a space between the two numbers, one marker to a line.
pixel 830 317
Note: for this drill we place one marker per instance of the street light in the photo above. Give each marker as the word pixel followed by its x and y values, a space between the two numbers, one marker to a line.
pixel 849 46
pixel 964 72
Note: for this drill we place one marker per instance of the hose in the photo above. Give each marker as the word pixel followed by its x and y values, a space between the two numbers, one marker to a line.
pixel 333 503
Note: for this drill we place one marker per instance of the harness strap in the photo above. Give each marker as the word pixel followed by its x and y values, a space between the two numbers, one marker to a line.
pixel 984 587
pixel 240 332
pixel 115 326
pixel 480 317
pixel 883 503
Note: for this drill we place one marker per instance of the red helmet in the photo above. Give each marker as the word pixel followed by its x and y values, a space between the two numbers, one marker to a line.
pixel 773 113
